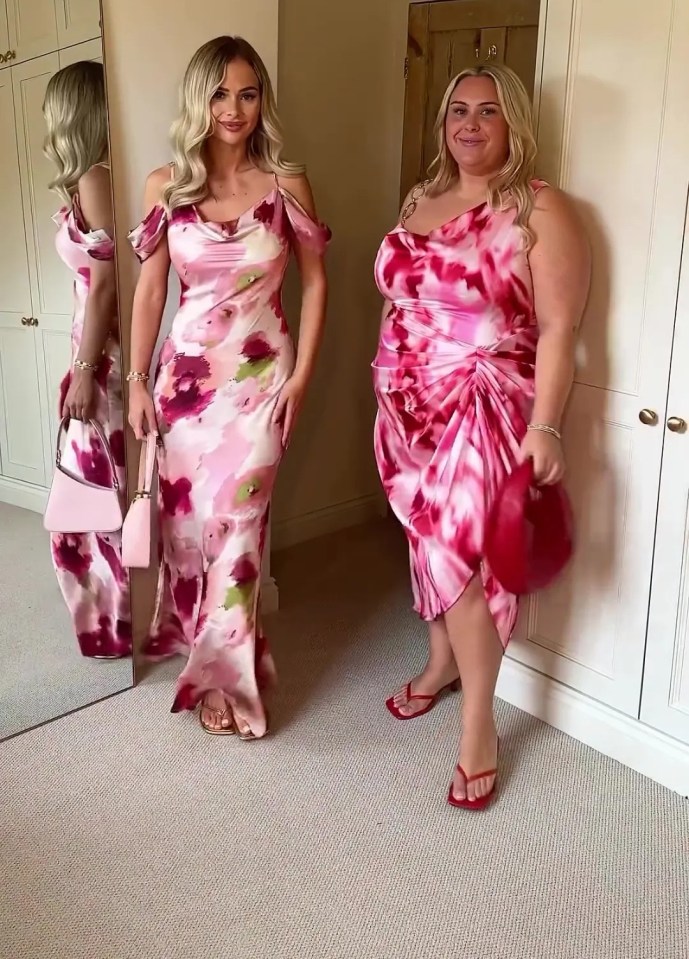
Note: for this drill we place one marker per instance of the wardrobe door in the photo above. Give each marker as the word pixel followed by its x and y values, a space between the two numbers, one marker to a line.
pixel 91 50
pixel 51 283
pixel 32 28
pixel 665 699
pixel 21 444
pixel 77 21
pixel 589 630
pixel 4 36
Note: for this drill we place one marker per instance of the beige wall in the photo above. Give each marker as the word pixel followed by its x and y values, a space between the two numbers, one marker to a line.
pixel 341 102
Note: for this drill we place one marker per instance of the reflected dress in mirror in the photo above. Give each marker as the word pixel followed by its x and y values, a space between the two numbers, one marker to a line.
pixel 94 584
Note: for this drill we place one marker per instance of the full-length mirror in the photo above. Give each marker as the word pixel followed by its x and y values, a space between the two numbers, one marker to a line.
pixel 65 630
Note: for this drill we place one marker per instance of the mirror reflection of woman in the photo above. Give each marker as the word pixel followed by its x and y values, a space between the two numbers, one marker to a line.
pixel 88 566
pixel 485 280
pixel 226 214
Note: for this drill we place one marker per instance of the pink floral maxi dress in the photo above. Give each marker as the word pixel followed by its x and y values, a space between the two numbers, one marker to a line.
pixel 221 370
pixel 89 568
pixel 454 380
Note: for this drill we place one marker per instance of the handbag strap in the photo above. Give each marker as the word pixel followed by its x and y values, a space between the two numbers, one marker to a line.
pixel 147 461
pixel 64 422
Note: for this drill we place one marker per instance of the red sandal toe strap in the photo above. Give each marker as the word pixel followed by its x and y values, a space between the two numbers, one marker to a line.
pixel 472 779
pixel 410 695
pixel 486 775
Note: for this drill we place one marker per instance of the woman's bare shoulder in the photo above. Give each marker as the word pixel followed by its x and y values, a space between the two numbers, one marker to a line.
pixel 156 181
pixel 159 177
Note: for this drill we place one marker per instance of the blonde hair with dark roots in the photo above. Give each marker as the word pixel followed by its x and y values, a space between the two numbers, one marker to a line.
pixel 76 117
pixel 511 186
pixel 202 78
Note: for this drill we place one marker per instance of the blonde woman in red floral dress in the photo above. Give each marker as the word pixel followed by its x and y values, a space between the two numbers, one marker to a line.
pixel 485 280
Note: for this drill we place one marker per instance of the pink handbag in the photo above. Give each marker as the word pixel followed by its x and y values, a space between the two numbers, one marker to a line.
pixel 136 532
pixel 75 505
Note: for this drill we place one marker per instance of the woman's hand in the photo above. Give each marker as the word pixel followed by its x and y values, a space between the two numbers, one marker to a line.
pixel 142 417
pixel 545 451
pixel 288 406
pixel 80 400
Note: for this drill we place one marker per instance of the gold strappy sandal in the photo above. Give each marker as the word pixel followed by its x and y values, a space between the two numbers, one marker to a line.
pixel 245 734
pixel 221 715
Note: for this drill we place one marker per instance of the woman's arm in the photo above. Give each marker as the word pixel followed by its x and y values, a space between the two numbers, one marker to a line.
pixel 151 289
pixel 314 297
pixel 100 310
pixel 147 313
pixel 560 262
pixel 387 304
pixel 95 200
pixel 314 286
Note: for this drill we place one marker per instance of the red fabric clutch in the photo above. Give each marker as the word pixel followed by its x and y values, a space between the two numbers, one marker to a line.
pixel 529 534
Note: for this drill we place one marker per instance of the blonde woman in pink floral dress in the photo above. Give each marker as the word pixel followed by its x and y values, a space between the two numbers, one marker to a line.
pixel 227 214
pixel 485 280
pixel 94 584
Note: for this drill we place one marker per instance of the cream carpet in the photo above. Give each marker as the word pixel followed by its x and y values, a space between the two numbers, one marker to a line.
pixel 42 672
pixel 128 834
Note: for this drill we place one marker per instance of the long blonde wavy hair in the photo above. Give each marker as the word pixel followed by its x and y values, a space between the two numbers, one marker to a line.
pixel 511 186
pixel 76 116
pixel 202 78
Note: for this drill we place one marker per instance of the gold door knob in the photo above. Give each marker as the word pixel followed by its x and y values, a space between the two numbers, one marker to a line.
pixel 10 55
pixel 2 57
pixel 34 321
pixel 26 321
pixel 648 417
pixel 676 424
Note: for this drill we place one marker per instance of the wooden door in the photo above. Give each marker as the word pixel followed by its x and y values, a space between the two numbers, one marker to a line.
pixel 445 38
pixel 32 28
pixel 77 21
pixel 589 630
pixel 665 699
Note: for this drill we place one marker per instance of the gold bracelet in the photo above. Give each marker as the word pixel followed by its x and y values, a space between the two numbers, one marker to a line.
pixel 83 365
pixel 135 377
pixel 544 428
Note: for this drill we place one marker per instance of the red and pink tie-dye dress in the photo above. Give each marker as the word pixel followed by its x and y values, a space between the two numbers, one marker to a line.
pixel 454 380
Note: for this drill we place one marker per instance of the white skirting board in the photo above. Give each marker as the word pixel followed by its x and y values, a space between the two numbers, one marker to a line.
pixel 331 519
pixel 24 495
pixel 321 522
pixel 630 742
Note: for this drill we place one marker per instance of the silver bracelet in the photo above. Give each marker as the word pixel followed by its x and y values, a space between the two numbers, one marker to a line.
pixel 544 428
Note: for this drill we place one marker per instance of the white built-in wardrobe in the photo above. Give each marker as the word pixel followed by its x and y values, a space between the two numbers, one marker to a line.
pixel 37 37
pixel 605 654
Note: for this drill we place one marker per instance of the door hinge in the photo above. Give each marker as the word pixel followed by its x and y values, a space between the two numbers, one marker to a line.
pixel 406 68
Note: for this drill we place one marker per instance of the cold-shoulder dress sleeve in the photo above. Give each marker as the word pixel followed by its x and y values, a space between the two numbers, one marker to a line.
pixel 304 229
pixel 145 238
pixel 98 244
